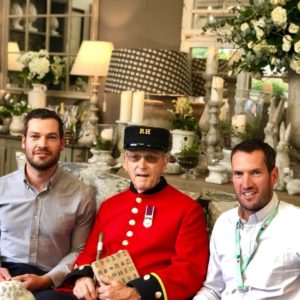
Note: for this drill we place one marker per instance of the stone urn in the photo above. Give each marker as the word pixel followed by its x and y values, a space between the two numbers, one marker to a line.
pixel 181 138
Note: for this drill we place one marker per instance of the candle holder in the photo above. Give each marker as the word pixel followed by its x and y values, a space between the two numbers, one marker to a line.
pixel 217 174
pixel 204 120
pixel 213 149
pixel 120 138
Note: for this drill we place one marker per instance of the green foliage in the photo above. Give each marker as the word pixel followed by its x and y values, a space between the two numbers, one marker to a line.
pixel 268 33
pixel 102 144
pixel 14 105
pixel 225 127
pixel 193 150
pixel 252 131
pixel 278 86
pixel 181 116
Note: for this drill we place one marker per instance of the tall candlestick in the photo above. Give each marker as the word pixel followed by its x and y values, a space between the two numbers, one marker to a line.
pixel 217 89
pixel 212 62
pixel 137 115
pixel 125 106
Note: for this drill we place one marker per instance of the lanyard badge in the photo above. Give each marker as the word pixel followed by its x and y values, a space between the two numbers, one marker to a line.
pixel 149 214
pixel 241 264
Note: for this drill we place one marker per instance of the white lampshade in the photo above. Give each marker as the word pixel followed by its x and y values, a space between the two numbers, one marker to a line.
pixel 92 59
pixel 13 53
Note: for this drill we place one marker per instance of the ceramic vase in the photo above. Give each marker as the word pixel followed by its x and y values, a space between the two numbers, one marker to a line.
pixel 37 96
pixel 16 125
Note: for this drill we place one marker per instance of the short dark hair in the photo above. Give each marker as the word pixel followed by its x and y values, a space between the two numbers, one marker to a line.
pixel 252 145
pixel 43 113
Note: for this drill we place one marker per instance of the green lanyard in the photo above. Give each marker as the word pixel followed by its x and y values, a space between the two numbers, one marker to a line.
pixel 242 265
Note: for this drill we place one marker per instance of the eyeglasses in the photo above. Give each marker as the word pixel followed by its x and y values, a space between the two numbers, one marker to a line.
pixel 152 159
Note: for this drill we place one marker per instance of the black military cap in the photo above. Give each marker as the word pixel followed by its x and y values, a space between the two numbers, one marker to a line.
pixel 145 137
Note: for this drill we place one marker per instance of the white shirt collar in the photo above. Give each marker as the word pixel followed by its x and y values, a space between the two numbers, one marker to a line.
pixel 260 215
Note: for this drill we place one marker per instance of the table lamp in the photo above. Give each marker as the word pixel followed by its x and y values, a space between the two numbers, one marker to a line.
pixel 152 71
pixel 92 60
pixel 13 54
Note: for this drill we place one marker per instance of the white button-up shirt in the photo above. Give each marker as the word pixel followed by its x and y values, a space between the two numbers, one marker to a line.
pixel 274 270
pixel 46 229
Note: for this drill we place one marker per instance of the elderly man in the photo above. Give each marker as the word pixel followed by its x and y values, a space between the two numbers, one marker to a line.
pixel 163 230
pixel 45 213
pixel 254 248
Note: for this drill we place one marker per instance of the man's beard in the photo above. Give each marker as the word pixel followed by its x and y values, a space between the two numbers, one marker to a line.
pixel 42 166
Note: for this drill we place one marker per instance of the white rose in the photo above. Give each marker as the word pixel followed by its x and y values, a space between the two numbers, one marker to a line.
pixel 259 33
pixel 261 22
pixel 293 28
pixel 272 49
pixel 244 26
pixel 297 47
pixel 286 47
pixel 287 39
pixel 295 64
pixel 257 48
pixel 279 16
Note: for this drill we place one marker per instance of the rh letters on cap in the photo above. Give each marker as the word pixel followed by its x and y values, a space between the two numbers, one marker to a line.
pixel 145 131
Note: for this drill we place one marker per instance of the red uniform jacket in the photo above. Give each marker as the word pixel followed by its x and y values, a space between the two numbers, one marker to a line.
pixel 173 250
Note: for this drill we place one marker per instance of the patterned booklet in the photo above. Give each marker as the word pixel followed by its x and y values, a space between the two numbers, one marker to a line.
pixel 118 266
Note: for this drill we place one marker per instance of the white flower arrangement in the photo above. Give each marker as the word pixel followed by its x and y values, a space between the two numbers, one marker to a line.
pixel 267 31
pixel 40 67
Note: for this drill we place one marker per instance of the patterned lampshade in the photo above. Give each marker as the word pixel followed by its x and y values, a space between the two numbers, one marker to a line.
pixel 154 71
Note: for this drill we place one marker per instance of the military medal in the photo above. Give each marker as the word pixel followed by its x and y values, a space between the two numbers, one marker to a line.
pixel 149 213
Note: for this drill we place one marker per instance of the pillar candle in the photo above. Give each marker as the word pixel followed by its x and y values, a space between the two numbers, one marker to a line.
pixel 137 114
pixel 239 123
pixel 243 81
pixel 125 106
pixel 212 62
pixel 217 89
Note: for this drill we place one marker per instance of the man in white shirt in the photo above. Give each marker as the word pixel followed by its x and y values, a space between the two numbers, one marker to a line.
pixel 254 248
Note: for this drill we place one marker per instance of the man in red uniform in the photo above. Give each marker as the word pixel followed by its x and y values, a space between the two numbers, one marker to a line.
pixel 163 230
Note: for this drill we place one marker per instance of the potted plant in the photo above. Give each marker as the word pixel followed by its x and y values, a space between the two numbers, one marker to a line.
pixel 188 158
pixel 41 70
pixel 104 143
pixel 16 106
pixel 5 119
pixel 184 127
pixel 226 132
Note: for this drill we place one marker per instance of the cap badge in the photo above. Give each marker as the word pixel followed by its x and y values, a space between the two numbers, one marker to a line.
pixel 145 131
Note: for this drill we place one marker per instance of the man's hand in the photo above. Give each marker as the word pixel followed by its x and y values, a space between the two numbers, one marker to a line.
pixel 113 290
pixel 34 282
pixel 4 274
pixel 85 289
